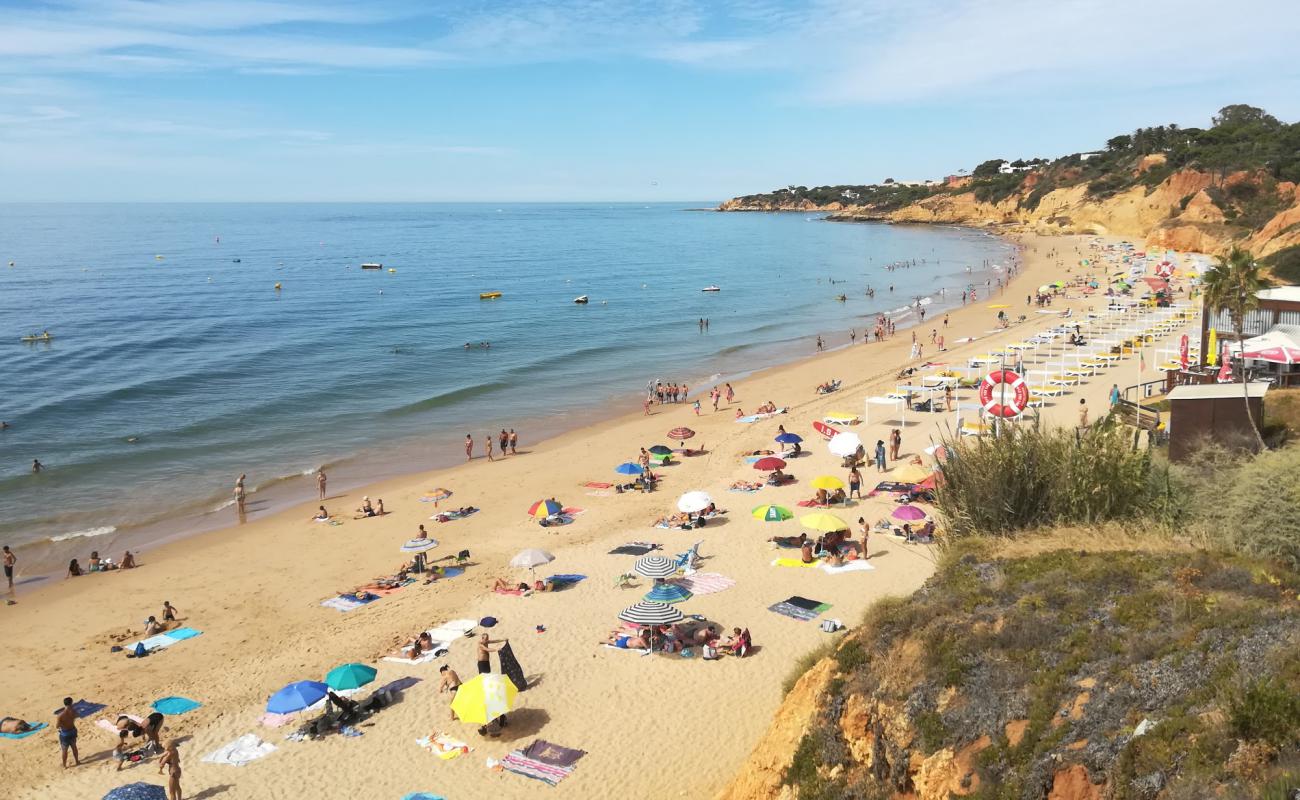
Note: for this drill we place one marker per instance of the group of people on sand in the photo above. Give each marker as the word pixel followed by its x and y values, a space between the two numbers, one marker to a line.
pixel 506 441
pixel 127 752
pixel 680 637
pixel 670 392
pixel 95 564
pixel 369 509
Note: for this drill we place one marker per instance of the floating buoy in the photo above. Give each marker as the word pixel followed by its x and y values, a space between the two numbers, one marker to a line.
pixel 158 258
pixel 277 287
pixel 391 270
pixel 11 263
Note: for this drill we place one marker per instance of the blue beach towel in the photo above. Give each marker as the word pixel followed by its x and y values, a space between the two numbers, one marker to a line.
pixel 84 708
pixel 422 796
pixel 182 633
pixel 568 578
pixel 174 706
pixel 36 726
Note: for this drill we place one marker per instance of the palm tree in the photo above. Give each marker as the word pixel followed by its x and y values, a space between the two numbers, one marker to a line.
pixel 1233 285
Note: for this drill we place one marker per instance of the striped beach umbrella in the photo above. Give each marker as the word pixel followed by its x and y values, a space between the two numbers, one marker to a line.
pixel 544 508
pixel 628 468
pixel 769 463
pixel 653 566
pixel 771 513
pixel 650 613
pixel 483 698
pixel 680 434
pixel 419 545
pixel 667 593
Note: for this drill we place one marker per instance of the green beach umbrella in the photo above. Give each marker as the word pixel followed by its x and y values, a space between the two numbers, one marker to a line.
pixel 350 676
pixel 770 513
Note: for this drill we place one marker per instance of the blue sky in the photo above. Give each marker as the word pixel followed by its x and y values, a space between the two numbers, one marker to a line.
pixel 594 99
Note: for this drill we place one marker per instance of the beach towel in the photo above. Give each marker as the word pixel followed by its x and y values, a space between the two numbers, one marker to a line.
pixel 510 592
pixel 890 486
pixel 424 657
pixel 110 725
pixel 36 726
pixel 745 489
pixel 521 764
pixel 510 667
pixel 443 746
pixel 272 720
pixel 84 708
pixel 181 634
pixel 805 603
pixel 793 562
pixel 399 685
pixel 450 631
pixel 447 572
pixel 793 611
pixel 174 706
pixel 152 643
pixel 553 754
pixel 859 565
pixel 566 579
pixel 705 583
pixel 627 649
pixel 812 504
pixel 241 751
pixel 342 603
pixel 597 485
pixel 634 549
pixel 449 516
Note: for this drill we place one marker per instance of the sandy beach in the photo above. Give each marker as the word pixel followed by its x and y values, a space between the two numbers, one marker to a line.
pixel 652 726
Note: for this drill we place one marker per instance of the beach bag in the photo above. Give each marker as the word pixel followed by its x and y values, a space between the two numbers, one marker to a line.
pixel 831 625
pixel 140 652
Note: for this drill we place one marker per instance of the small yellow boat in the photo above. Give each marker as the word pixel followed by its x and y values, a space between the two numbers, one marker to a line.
pixel 488 295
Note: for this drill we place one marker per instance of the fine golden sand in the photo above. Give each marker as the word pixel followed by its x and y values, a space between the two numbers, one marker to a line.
pixel 654 726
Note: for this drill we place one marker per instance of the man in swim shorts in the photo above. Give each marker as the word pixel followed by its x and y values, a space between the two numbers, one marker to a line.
pixel 66 722
pixel 10 559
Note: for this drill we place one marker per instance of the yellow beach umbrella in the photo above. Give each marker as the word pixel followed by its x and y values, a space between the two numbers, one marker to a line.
pixel 910 473
pixel 1212 351
pixel 826 523
pixel 828 482
pixel 483 698
pixel 841 416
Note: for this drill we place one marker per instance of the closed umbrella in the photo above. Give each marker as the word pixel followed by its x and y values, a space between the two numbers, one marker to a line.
pixel 483 698
pixel 828 482
pixel 653 566
pixel 667 593
pixel 137 791
pixel 769 463
pixel 544 508
pixel 844 444
pixel 419 545
pixel 826 523
pixel 680 434
pixel 648 612
pixel 771 513
pixel 628 468
pixel 350 676
pixel 694 502
pixel 531 558
pixel 789 438
pixel 296 697
pixel 909 513
pixel 661 450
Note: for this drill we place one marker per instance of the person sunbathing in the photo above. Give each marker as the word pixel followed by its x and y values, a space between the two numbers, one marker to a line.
pixel 619 639
pixel 759 453
pixel 747 486
pixel 14 725
pixel 789 541
pixel 502 585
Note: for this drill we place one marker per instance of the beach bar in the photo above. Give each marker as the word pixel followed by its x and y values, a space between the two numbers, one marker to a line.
pixel 1215 412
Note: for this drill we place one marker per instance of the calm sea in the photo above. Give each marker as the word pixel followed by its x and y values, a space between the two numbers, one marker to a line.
pixel 176 364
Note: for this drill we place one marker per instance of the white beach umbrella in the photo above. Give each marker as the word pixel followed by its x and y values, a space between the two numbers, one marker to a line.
pixel 531 558
pixel 844 444
pixel 419 545
pixel 693 502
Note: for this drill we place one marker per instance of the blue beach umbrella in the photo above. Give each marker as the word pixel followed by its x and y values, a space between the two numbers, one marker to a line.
pixel 422 796
pixel 668 593
pixel 789 438
pixel 137 791
pixel 628 468
pixel 296 697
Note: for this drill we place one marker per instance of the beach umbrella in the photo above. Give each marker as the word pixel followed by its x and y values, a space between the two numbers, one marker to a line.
pixel 827 482
pixel 296 697
pixel 789 438
pixel 653 566
pixel 422 796
pixel 438 494
pixel 544 508
pixel 826 523
pixel 531 558
pixel 1212 349
pixel 680 434
pixel 844 444
pixel 908 513
pixel 667 593
pixel 694 502
pixel 350 676
pixel 648 612
pixel 483 698
pixel 628 468
pixel 661 450
pixel 910 473
pixel 771 513
pixel 769 464
pixel 841 416
pixel 137 791
pixel 939 452
pixel 419 545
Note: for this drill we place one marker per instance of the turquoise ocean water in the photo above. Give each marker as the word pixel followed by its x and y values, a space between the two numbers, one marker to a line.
pixel 175 365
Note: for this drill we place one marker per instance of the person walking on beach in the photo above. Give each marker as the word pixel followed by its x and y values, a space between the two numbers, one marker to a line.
pixel 504 440
pixel 855 482
pixel 853 336
pixel 514 441
pixel 10 559
pixel 819 344
pixel 880 455
pixel 487 446
pixel 731 394
pixel 66 722
pixel 715 394
pixel 171 760
pixel 1114 393
pixel 469 447
pixel 320 482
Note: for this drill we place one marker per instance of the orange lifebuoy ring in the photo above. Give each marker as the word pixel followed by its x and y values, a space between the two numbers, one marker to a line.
pixel 1004 393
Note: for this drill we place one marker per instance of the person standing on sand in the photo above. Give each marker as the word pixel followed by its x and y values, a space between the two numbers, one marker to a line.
pixel 853 336
pixel 66 722
pixel 469 447
pixel 484 651
pixel 819 344
pixel 320 482
pixel 171 759
pixel 503 439
pixel 239 494
pixel 1083 413
pixel 855 482
pixel 895 443
pixel 487 445
pixel 880 455
pixel 10 559
pixel 866 531
pixel 514 441
pixel 450 683
pixel 731 394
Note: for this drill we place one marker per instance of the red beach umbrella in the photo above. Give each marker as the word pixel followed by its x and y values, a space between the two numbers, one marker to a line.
pixel 769 463
pixel 680 434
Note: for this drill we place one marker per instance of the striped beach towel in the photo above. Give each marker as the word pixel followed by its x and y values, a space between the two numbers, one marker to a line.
pixel 521 764
pixel 705 583
pixel 788 609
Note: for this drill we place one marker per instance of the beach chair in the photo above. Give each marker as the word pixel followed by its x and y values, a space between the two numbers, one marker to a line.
pixel 688 561
pixel 462 557
pixel 623 580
